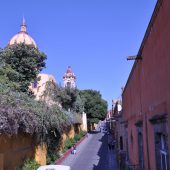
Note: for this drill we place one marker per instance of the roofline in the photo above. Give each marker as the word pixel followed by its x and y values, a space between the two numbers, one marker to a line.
pixel 146 35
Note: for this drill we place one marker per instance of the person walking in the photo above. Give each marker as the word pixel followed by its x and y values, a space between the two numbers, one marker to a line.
pixel 74 149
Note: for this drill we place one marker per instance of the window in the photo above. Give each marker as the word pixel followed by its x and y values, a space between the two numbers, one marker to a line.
pixel 35 84
pixel 163 153
pixel 159 122
pixel 121 143
pixel 141 154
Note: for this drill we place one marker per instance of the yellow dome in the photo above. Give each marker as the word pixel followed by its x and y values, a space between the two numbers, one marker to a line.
pixel 22 37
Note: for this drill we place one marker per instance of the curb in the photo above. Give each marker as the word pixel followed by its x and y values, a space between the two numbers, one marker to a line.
pixel 60 160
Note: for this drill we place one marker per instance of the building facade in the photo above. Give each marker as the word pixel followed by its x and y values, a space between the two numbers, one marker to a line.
pixel 38 87
pixel 69 78
pixel 146 97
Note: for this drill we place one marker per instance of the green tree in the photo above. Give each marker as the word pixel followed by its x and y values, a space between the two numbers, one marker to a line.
pixel 67 97
pixel 8 76
pixel 26 60
pixel 79 104
pixel 94 106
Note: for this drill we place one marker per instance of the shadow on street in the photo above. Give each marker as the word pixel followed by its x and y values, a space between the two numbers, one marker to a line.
pixel 103 155
pixel 94 132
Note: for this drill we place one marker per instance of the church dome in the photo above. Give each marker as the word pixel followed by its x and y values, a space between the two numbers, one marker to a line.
pixel 22 37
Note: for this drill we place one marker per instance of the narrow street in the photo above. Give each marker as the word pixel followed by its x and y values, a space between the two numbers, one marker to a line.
pixel 92 154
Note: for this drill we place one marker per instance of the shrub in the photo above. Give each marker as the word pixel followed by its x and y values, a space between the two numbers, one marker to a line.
pixel 77 137
pixel 67 144
pixel 82 133
pixel 30 165
pixel 51 158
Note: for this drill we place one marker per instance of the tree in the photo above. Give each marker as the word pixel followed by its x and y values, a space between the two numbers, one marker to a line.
pixel 94 106
pixel 67 97
pixel 8 76
pixel 26 60
pixel 79 104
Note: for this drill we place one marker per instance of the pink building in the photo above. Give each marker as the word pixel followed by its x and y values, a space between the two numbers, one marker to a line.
pixel 146 97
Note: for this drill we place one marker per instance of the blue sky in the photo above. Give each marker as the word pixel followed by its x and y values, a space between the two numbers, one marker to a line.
pixel 94 37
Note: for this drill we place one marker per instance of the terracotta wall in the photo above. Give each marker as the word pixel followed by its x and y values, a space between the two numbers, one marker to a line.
pixel 14 150
pixel 40 154
pixel 70 133
pixel 147 92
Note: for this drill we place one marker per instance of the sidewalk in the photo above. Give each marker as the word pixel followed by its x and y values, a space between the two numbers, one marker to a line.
pixel 112 160
pixel 111 155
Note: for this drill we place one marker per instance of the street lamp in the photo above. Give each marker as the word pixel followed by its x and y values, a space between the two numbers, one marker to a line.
pixel 134 57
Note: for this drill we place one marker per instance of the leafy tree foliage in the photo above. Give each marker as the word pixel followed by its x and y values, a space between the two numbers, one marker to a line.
pixel 25 60
pixel 67 97
pixel 19 112
pixel 79 104
pixel 94 105
pixel 69 100
pixel 8 76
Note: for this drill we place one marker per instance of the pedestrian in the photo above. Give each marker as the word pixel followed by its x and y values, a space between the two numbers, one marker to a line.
pixel 74 149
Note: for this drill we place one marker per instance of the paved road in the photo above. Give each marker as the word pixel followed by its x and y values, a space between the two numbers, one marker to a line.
pixel 92 154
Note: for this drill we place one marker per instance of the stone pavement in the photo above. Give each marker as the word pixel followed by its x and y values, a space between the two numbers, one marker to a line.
pixel 92 154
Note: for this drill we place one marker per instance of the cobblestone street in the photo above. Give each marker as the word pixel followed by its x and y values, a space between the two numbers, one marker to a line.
pixel 92 154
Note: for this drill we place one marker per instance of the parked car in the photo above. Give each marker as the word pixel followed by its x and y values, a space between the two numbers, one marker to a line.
pixel 54 167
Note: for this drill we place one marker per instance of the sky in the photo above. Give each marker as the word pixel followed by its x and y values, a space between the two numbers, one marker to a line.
pixel 94 37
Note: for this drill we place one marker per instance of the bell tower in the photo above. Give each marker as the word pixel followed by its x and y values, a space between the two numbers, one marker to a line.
pixel 69 78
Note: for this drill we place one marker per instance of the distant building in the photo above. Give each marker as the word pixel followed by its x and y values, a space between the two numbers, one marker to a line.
pixel 69 78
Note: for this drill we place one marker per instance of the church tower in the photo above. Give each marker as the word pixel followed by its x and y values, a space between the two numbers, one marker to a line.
pixel 69 78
